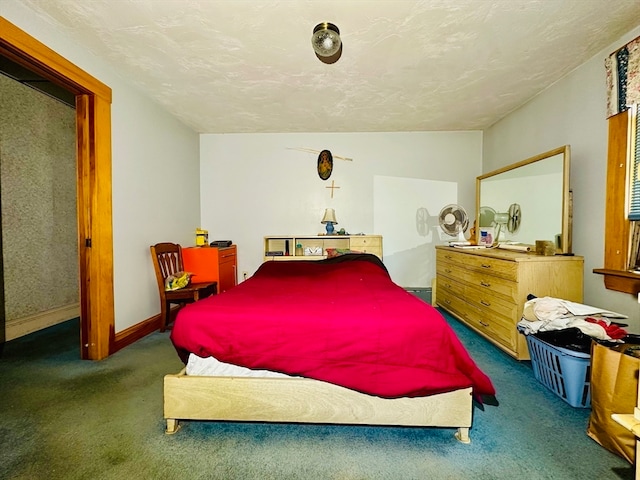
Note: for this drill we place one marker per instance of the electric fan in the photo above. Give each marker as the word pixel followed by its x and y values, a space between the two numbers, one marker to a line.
pixel 454 221
pixel 509 221
pixel 515 215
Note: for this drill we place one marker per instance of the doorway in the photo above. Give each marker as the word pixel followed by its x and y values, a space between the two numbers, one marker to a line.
pixel 93 184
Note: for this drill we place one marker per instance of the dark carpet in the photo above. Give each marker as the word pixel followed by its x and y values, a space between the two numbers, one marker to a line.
pixel 64 418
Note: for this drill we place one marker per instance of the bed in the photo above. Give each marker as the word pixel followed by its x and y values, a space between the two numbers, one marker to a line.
pixel 346 343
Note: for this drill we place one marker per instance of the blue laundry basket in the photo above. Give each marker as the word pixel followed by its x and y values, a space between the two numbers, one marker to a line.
pixel 564 372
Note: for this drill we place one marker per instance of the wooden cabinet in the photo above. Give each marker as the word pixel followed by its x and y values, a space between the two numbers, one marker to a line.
pixel 314 247
pixel 212 264
pixel 227 268
pixel 487 289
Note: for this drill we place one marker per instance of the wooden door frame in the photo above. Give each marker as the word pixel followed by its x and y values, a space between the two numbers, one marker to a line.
pixel 93 147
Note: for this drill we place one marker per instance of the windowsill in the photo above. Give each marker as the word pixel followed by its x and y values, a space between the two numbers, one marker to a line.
pixel 620 280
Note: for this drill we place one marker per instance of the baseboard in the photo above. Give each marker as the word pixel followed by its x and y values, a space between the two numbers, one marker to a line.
pixel 134 333
pixel 32 323
pixel 422 293
pixel 137 331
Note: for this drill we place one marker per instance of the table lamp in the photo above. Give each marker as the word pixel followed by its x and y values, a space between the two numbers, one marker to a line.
pixel 329 220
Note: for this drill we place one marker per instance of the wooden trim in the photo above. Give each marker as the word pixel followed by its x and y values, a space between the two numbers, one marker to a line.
pixel 616 240
pixel 134 333
pixel 620 281
pixel 617 226
pixel 556 151
pixel 93 124
pixel 31 323
pixel 25 50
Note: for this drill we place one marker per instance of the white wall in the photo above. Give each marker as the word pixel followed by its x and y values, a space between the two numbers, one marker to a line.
pixel 573 111
pixel 155 161
pixel 254 185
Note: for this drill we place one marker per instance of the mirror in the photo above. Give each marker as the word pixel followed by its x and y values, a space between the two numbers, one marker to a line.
pixel 527 201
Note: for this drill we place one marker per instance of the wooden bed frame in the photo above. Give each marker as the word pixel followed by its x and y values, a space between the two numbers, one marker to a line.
pixel 303 400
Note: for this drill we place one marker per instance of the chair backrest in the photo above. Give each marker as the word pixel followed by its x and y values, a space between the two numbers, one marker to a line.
pixel 167 260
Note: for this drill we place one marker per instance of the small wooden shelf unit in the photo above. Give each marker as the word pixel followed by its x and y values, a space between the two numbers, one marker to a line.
pixel 314 247
pixel 487 289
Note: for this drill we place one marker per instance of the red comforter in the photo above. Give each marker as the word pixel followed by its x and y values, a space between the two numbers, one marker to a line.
pixel 342 322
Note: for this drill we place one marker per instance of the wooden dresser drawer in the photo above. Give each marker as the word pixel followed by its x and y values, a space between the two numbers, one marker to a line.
pixel 446 284
pixel 498 328
pixel 506 289
pixel 449 256
pixel 492 303
pixel 366 244
pixel 486 289
pixel 365 241
pixel 449 270
pixel 228 254
pixel 469 261
pixel 492 266
pixel 495 327
pixel 453 303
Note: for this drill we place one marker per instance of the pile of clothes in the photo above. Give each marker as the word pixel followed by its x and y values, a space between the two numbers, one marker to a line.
pixel 568 324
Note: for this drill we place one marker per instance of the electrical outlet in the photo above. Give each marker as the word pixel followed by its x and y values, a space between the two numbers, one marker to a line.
pixel 245 275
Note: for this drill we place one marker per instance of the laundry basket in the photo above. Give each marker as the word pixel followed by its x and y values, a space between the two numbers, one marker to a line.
pixel 564 372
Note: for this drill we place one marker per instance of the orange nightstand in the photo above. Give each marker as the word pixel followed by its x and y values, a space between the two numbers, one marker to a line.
pixel 212 264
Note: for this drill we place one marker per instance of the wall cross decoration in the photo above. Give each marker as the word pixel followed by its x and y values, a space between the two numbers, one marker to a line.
pixel 332 187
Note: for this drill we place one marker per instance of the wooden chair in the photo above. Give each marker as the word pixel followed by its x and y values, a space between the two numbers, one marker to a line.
pixel 167 260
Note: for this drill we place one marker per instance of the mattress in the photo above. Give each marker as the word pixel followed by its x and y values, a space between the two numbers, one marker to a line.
pixel 212 367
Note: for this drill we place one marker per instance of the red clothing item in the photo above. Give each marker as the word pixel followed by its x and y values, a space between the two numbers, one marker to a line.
pixel 613 330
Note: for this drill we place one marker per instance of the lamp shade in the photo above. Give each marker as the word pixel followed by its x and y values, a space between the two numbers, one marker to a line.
pixel 329 216
pixel 326 39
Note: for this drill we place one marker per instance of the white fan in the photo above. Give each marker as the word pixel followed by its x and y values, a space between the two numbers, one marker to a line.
pixel 454 221
pixel 509 221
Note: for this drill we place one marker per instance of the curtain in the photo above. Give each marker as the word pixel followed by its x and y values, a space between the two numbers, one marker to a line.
pixel 623 78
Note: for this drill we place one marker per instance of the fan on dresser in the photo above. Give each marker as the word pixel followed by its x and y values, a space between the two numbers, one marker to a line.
pixel 453 220
pixel 509 221
pixel 515 216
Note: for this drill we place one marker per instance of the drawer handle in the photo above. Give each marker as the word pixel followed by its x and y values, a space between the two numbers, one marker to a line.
pixel 486 304
pixel 483 324
pixel 484 265
pixel 448 285
pixel 447 301
pixel 485 284
pixel 446 270
pixel 448 257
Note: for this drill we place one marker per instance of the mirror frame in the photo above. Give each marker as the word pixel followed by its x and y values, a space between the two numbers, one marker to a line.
pixel 565 236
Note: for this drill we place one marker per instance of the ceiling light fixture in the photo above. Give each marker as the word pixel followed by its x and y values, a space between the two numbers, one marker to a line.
pixel 326 42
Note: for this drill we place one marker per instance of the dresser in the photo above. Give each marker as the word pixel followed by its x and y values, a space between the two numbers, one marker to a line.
pixel 314 247
pixel 212 264
pixel 486 289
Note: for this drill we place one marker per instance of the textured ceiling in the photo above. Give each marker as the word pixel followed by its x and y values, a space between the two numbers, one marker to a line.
pixel 224 66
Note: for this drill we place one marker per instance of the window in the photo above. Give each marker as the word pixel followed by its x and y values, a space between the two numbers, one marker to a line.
pixel 621 253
